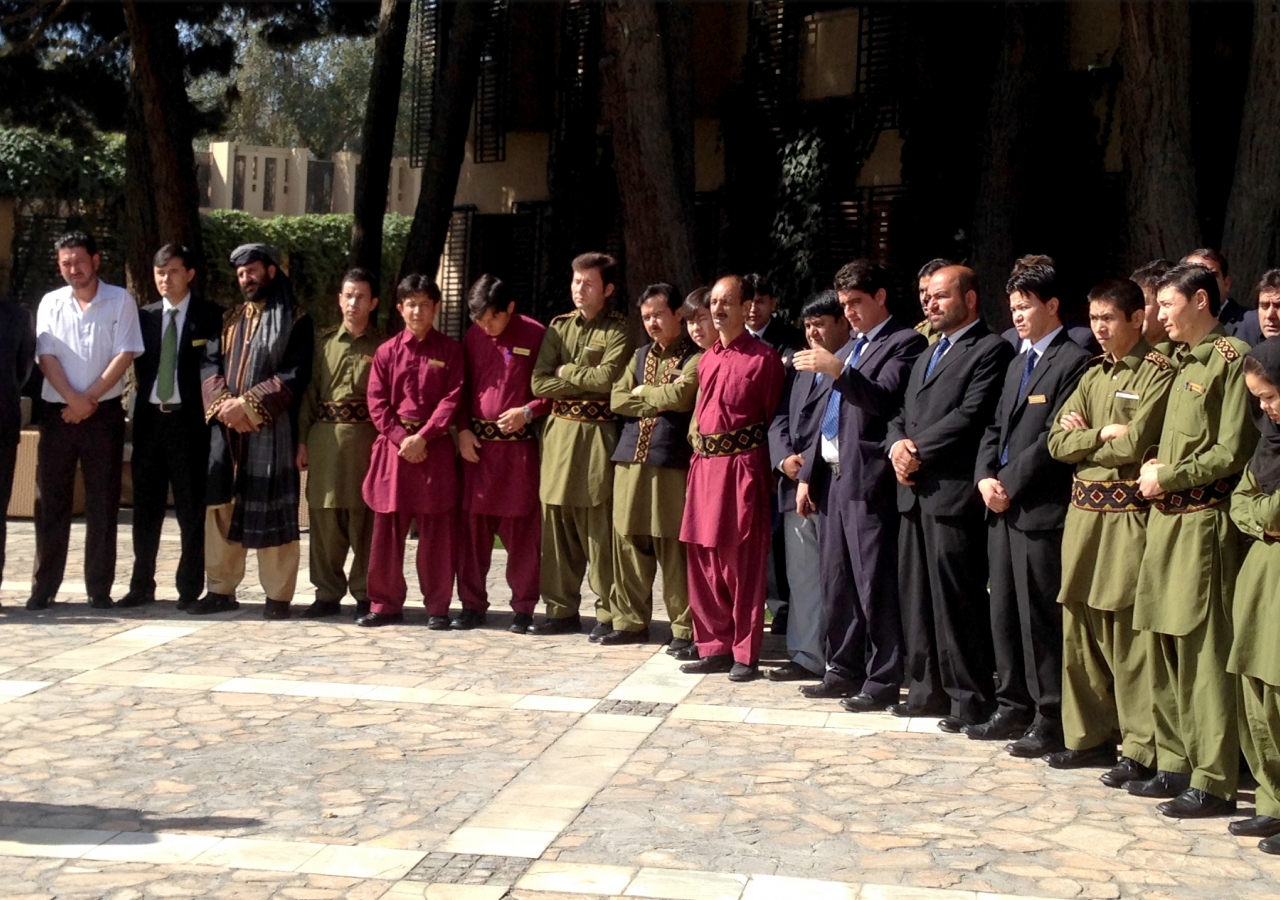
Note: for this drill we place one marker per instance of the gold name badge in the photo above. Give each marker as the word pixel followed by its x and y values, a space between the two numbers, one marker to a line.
pixel 200 342
pixel 1037 398
pixel 366 357
pixel 1198 388
pixel 1125 395
pixel 436 362
pixel 520 351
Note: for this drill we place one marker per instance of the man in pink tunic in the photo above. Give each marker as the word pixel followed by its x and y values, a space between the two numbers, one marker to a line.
pixel 414 391
pixel 727 512
pixel 499 448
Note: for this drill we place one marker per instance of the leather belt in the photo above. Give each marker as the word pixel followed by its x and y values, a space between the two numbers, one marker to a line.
pixel 730 443
pixel 488 430
pixel 168 407
pixel 583 410
pixel 343 412
pixel 1108 496
pixel 1197 499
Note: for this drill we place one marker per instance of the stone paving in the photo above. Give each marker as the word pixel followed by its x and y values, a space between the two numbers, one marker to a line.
pixel 147 753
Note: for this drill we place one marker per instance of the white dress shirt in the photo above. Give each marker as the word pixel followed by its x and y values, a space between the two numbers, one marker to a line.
pixel 830 449
pixel 183 305
pixel 84 341
pixel 1039 346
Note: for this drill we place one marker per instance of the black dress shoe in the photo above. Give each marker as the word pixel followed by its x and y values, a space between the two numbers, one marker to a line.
pixel 1163 785
pixel 1125 771
pixel 568 625
pixel 377 619
pixel 321 609
pixel 101 603
pixel 1270 845
pixel 709 665
pixel 1258 826
pixel 275 610
pixel 520 623
pixel 363 608
pixel 135 599
pixel 1089 758
pixel 617 638
pixel 791 671
pixel 212 603
pixel 863 703
pixel 37 603
pixel 1000 727
pixel 437 623
pixel 601 629
pixel 1194 803
pixel 743 672
pixel 185 603
pixel 907 711
pixel 687 654
pixel 954 724
pixel 832 689
pixel 1039 741
pixel 779 623
pixel 468 619
pixel 678 644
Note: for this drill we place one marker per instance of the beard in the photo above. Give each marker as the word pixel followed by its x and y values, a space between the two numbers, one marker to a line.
pixel 254 290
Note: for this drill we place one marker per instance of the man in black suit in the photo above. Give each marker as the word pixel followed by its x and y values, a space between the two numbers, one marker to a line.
pixel 17 359
pixel 790 436
pixel 1026 492
pixel 1238 321
pixel 170 436
pixel 759 303
pixel 942 555
pixel 847 479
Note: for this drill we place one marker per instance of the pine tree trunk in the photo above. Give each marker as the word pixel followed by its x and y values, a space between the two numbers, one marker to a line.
pixel 647 98
pixel 1154 104
pixel 377 136
pixel 1251 223
pixel 141 237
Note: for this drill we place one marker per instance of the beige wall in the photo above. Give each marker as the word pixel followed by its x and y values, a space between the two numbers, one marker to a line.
pixel 290 183
pixel 829 54
pixel 497 187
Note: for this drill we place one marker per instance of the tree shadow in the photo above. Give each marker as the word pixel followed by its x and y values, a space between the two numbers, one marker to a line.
pixel 25 814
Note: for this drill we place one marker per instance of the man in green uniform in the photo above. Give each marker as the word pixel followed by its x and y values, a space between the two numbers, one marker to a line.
pixel 1104 428
pixel 922 281
pixel 582 355
pixel 335 438
pixel 656 394
pixel 1193 552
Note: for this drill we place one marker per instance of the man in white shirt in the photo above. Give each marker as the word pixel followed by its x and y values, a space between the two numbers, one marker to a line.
pixel 87 334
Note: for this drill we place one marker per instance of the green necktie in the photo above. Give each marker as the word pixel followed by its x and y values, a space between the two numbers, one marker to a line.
pixel 168 357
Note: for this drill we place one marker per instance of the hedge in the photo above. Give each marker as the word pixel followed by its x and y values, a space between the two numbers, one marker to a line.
pixel 38 165
pixel 314 251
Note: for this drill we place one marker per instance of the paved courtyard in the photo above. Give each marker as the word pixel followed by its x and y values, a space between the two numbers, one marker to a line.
pixel 148 753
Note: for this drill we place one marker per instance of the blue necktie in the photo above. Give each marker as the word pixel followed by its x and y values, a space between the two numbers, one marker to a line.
pixel 831 416
pixel 937 357
pixel 1032 356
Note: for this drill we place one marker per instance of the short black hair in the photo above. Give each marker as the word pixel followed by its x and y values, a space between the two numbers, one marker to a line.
pixel 488 293
pixel 1036 278
pixel 417 284
pixel 662 289
pixel 73 239
pixel 1187 278
pixel 358 274
pixel 861 275
pixel 932 266
pixel 1215 256
pixel 1149 274
pixel 698 298
pixel 1255 367
pixel 1270 281
pixel 823 303
pixel 1122 293
pixel 168 253
pixel 758 284
pixel 603 262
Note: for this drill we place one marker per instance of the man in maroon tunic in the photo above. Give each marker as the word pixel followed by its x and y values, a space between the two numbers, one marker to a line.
pixel 727 512
pixel 414 392
pixel 499 450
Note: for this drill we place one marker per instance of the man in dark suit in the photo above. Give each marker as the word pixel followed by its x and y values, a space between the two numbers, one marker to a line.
pixel 17 359
pixel 1026 492
pixel 847 479
pixel 933 445
pixel 170 436
pixel 1238 321
pixel 759 302
pixel 790 436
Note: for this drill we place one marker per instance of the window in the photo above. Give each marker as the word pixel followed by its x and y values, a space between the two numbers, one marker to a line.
pixel 237 183
pixel 269 184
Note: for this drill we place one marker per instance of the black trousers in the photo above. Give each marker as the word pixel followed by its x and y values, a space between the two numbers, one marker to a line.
pixel 97 444
pixel 942 575
pixel 858 555
pixel 8 458
pixel 169 449
pixel 1026 620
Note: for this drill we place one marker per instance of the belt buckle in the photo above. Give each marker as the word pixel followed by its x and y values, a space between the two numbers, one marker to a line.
pixel 169 407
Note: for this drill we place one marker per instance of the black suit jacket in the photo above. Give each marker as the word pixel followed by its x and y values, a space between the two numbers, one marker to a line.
pixel 1079 334
pixel 202 325
pixel 1241 322
pixel 1039 487
pixel 946 415
pixel 872 393
pixel 795 426
pixel 17 357
pixel 785 338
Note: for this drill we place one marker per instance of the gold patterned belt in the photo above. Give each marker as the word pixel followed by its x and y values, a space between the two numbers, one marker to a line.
pixel 1108 496
pixel 1196 499
pixel 730 443
pixel 343 412
pixel 412 424
pixel 583 410
pixel 488 430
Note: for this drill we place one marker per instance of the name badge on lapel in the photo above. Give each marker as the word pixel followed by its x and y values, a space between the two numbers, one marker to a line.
pixel 199 342
pixel 436 362
pixel 1125 395
pixel 1198 388
pixel 520 351
pixel 1037 398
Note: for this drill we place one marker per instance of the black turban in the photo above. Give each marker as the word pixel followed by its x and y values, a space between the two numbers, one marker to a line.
pixel 247 253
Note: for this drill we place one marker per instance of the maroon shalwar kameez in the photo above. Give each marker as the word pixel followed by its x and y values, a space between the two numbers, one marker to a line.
pixel 415 384
pixel 727 512
pixel 500 492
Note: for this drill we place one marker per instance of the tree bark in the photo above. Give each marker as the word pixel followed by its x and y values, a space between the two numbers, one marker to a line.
pixel 141 235
pixel 461 38
pixel 647 99
pixel 378 134
pixel 1155 119
pixel 156 71
pixel 1251 222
